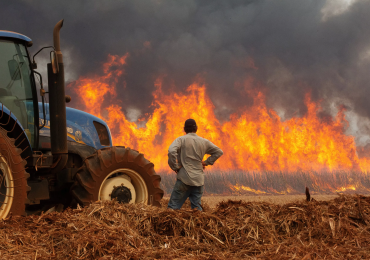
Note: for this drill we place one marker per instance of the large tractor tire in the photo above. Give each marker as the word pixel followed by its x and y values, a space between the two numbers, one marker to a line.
pixel 13 178
pixel 117 173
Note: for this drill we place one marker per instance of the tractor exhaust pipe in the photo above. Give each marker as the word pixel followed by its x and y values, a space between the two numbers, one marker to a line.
pixel 57 105
pixel 56 38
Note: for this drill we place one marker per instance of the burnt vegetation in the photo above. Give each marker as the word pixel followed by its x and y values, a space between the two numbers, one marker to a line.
pixel 334 229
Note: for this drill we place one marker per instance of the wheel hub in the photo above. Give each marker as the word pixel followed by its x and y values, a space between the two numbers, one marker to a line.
pixel 122 194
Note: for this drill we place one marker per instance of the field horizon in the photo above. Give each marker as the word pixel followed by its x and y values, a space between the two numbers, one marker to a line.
pixel 213 200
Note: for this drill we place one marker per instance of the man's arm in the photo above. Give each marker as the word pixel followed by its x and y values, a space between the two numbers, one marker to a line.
pixel 215 153
pixel 173 155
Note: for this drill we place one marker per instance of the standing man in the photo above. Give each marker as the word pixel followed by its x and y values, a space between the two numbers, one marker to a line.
pixel 185 157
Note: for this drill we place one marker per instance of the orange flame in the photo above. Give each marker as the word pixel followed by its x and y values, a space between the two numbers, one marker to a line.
pixel 253 139
pixel 246 189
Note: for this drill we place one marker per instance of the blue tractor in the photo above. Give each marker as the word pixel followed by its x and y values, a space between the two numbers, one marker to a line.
pixel 51 154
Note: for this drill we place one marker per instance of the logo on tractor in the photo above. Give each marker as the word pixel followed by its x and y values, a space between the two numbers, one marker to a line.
pixel 70 130
pixel 78 136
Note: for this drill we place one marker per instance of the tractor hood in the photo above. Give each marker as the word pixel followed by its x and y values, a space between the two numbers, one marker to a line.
pixel 82 128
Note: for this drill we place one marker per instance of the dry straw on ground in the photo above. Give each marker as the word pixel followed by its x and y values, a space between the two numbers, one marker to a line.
pixel 337 229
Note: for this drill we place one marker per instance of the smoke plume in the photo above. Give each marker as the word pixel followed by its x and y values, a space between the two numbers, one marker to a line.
pixel 285 48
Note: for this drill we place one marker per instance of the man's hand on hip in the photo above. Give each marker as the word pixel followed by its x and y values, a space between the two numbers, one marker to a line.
pixel 204 164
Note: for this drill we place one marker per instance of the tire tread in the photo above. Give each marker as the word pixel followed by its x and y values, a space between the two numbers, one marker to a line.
pixel 96 167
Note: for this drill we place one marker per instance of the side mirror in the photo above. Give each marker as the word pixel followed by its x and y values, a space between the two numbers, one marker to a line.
pixel 34 64
pixel 54 62
pixel 14 70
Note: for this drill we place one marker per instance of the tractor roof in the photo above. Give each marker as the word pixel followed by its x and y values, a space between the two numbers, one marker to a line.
pixel 14 35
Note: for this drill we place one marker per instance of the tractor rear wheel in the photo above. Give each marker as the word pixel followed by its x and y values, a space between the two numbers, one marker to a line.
pixel 13 178
pixel 117 173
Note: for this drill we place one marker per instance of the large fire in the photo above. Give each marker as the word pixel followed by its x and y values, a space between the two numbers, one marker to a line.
pixel 254 139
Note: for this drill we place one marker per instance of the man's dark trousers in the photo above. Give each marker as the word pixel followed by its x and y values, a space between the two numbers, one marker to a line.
pixel 181 192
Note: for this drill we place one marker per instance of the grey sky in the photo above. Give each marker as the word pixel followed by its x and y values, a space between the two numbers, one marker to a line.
pixel 297 46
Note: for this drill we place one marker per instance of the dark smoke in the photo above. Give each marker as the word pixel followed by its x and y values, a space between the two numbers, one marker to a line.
pixel 288 47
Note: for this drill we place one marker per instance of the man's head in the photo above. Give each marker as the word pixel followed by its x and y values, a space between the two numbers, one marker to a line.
pixel 190 126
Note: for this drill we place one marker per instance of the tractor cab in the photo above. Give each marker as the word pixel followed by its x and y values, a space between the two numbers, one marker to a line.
pixel 17 84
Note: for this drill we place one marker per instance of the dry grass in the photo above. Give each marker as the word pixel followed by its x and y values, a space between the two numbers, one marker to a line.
pixel 336 229
pixel 212 201
pixel 231 182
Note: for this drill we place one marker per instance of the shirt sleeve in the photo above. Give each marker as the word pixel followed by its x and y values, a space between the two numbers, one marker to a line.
pixel 173 155
pixel 214 151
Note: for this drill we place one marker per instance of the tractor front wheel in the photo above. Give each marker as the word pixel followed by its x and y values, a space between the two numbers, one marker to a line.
pixel 117 173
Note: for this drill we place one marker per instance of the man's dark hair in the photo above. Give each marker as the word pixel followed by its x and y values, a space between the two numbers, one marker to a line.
pixel 190 126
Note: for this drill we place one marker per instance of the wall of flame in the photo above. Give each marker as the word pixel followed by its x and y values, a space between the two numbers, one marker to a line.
pixel 254 139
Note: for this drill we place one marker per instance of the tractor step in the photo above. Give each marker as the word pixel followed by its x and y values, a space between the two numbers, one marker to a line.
pixel 39 191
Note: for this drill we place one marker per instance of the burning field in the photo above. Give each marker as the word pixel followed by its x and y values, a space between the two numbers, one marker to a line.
pixel 337 229
pixel 282 87
pixel 263 154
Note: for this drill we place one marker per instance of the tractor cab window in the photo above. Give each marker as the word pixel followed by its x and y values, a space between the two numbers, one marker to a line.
pixel 16 84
